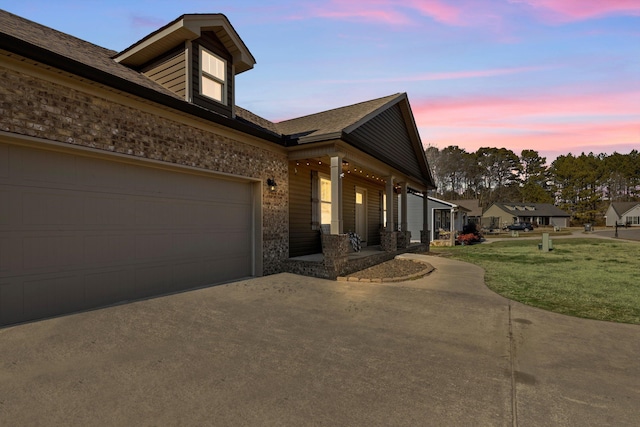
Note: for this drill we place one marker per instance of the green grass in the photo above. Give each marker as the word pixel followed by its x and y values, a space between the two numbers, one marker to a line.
pixel 590 278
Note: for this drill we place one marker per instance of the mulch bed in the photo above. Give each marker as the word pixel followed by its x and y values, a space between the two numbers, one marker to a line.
pixel 394 269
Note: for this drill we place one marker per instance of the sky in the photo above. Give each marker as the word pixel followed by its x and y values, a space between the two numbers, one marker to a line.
pixel 555 76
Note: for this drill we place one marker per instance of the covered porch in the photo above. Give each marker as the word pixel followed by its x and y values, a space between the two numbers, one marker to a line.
pixel 338 194
pixel 350 170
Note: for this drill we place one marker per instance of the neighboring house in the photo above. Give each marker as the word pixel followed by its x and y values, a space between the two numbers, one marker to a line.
pixel 474 207
pixel 623 213
pixel 499 215
pixel 444 218
pixel 130 174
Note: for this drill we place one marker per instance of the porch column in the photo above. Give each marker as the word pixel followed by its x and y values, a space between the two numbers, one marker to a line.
pixel 403 203
pixel 426 235
pixel 452 227
pixel 389 191
pixel 336 194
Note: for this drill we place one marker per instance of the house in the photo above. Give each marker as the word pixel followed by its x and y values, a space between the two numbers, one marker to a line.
pixel 444 218
pixel 474 207
pixel 499 215
pixel 125 175
pixel 623 213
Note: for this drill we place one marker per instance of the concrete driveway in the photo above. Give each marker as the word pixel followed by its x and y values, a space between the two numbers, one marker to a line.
pixel 292 350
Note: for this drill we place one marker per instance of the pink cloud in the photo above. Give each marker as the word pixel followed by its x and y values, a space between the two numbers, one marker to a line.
pixel 577 10
pixel 392 12
pixel 553 125
pixel 438 10
pixel 445 75
pixel 378 11
pixel 486 109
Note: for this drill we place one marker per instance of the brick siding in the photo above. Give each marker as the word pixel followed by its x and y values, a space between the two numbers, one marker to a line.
pixel 36 107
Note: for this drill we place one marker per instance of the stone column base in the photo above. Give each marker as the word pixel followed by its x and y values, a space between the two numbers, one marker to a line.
pixel 424 237
pixel 404 239
pixel 388 241
pixel 335 251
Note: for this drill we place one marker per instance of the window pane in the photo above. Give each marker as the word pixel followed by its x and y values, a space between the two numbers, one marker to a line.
pixel 325 190
pixel 211 88
pixel 213 65
pixel 325 214
pixel 358 198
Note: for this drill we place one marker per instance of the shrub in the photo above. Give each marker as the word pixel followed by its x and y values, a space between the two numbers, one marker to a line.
pixel 467 239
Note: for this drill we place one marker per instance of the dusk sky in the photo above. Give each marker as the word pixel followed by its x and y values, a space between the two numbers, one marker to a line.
pixel 556 76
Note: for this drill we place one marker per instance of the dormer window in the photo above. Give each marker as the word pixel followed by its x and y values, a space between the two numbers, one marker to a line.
pixel 213 76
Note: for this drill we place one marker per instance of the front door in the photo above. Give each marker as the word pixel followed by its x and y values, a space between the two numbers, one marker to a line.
pixel 361 214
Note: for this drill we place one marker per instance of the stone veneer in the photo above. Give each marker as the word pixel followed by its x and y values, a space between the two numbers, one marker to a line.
pixel 388 241
pixel 403 239
pixel 41 108
pixel 424 237
pixel 335 251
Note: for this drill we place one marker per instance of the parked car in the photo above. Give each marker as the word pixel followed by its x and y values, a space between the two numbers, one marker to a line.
pixel 521 226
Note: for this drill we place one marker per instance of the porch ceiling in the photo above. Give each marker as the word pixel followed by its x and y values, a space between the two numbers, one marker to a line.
pixel 354 161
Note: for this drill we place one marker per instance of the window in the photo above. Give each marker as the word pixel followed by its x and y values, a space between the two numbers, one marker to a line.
pixel 384 209
pixel 325 200
pixel 213 80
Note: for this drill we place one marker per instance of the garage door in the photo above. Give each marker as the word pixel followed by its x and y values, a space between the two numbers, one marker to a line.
pixel 78 232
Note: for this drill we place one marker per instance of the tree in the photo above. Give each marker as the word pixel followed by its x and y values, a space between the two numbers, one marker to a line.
pixel 578 183
pixel 500 168
pixel 535 178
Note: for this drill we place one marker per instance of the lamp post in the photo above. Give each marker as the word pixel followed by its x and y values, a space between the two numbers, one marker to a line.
pixel 616 235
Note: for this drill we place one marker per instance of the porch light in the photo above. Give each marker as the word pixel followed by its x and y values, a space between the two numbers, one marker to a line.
pixel 271 183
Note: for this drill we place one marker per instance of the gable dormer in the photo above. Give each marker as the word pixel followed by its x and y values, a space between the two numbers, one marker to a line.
pixel 197 57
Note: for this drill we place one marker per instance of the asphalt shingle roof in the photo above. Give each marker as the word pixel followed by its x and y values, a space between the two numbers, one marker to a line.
pixel 539 209
pixel 73 48
pixel 332 121
pixel 622 207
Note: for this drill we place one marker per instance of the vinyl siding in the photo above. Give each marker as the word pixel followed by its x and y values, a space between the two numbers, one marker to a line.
pixel 170 72
pixel 303 240
pixel 386 136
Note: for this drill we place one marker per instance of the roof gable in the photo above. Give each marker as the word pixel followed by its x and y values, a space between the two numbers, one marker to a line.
pixel 383 128
pixel 186 28
pixel 621 207
pixel 331 123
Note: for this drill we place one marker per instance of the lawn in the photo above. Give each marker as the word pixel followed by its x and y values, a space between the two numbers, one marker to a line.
pixel 591 278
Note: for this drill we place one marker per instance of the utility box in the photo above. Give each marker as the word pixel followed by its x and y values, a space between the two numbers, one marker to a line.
pixel 547 243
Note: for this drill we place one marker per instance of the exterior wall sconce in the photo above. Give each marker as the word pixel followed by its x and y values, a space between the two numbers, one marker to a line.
pixel 271 183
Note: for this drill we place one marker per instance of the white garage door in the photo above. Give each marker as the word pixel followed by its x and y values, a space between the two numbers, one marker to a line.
pixel 78 232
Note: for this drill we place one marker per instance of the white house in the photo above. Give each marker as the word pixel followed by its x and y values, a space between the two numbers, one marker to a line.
pixel 627 213
pixel 444 218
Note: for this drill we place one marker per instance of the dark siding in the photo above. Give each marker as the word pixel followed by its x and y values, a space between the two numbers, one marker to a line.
pixel 302 239
pixel 170 72
pixel 350 182
pixel 386 136
pixel 209 41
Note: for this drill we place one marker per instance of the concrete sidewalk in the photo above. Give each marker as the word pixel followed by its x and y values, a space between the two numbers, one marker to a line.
pixel 293 350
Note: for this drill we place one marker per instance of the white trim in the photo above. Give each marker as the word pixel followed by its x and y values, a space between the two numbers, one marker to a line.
pixel 203 74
